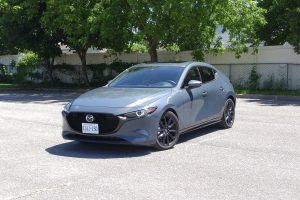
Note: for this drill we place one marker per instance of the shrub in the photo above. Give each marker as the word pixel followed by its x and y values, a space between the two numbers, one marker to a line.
pixel 281 83
pixel 26 66
pixel 254 79
pixel 102 73
pixel 269 83
pixel 5 76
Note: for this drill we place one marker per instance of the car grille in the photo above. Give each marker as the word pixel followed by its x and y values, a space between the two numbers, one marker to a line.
pixel 108 123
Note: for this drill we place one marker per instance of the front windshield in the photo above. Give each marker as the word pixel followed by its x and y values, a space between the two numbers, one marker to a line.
pixel 148 77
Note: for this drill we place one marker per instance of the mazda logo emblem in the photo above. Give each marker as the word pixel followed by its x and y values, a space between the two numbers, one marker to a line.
pixel 89 118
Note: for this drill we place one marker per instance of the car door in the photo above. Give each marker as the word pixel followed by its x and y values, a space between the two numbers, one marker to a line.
pixel 191 100
pixel 212 91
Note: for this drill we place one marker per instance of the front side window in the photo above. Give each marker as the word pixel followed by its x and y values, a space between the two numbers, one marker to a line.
pixel 193 74
pixel 207 74
pixel 148 77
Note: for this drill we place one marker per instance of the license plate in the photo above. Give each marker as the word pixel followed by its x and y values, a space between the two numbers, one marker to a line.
pixel 90 128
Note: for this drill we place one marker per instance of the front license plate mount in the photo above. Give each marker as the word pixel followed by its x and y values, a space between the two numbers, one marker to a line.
pixel 90 128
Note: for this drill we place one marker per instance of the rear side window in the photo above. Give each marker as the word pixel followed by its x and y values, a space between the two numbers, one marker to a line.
pixel 207 74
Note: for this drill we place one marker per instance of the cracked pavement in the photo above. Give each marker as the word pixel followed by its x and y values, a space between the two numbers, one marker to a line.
pixel 259 158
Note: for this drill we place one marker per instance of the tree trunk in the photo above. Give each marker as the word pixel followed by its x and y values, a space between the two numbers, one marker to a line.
pixel 49 65
pixel 82 55
pixel 51 69
pixel 152 49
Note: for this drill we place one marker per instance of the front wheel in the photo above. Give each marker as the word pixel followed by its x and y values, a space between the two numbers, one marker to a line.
pixel 168 131
pixel 228 114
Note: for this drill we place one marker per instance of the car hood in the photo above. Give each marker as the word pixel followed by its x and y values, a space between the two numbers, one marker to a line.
pixel 120 97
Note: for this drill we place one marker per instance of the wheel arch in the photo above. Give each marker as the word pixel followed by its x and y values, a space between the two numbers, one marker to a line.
pixel 232 98
pixel 173 111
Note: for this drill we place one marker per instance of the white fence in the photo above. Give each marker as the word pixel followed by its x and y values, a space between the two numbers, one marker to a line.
pixel 276 65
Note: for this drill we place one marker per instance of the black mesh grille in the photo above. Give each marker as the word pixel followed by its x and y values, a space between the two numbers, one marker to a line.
pixel 107 122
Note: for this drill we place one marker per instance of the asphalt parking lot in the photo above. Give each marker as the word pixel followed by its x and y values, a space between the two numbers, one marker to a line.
pixel 259 158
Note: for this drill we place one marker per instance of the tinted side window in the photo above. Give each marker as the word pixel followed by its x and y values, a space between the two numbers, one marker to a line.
pixel 193 74
pixel 207 74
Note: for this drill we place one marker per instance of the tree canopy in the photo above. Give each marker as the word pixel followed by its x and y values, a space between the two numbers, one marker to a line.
pixel 40 26
pixel 88 23
pixel 21 29
pixel 192 24
pixel 282 25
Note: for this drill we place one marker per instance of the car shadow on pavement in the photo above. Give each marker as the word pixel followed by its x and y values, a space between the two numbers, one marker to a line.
pixel 197 133
pixel 111 151
pixel 97 151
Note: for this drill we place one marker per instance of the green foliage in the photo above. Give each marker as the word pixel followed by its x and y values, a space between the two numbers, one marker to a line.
pixel 21 29
pixel 74 19
pixel 281 83
pixel 26 68
pixel 102 73
pixel 254 77
pixel 192 25
pixel 269 83
pixel 138 48
pixel 275 31
pixel 87 23
pixel 99 75
pixel 5 76
pixel 240 83
pixel 283 25
pixel 269 92
pixel 29 60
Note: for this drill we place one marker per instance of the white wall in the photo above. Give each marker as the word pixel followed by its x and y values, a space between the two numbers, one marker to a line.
pixel 281 62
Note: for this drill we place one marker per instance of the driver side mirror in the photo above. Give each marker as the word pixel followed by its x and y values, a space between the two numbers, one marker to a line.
pixel 194 84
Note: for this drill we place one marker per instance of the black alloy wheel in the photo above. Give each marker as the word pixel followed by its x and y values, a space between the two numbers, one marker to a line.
pixel 228 115
pixel 168 131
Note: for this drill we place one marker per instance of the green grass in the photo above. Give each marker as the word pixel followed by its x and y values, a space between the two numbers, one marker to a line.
pixel 8 85
pixel 269 92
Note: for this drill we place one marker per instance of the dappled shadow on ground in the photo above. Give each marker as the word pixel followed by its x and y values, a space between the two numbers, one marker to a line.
pixel 43 97
pixel 197 133
pixel 274 102
pixel 97 151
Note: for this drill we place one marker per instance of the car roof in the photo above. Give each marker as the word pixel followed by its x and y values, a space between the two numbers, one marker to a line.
pixel 179 64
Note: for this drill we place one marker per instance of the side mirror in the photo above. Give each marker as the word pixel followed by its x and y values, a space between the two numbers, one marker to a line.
pixel 194 84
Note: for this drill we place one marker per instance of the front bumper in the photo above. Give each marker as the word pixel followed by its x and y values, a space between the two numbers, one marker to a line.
pixel 140 131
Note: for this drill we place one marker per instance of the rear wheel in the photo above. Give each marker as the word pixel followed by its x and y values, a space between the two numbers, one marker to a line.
pixel 168 131
pixel 228 114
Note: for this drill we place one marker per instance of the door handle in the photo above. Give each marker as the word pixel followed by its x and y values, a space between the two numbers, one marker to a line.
pixel 221 88
pixel 204 94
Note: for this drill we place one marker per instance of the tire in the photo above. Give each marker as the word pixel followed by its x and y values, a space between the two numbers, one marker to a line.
pixel 228 114
pixel 168 131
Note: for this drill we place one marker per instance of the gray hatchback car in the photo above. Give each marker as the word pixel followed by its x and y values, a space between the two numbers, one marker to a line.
pixel 151 105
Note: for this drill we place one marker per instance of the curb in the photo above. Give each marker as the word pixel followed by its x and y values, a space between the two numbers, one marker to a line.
pixel 268 97
pixel 43 90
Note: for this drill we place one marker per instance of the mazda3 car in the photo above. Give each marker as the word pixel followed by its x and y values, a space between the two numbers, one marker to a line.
pixel 152 105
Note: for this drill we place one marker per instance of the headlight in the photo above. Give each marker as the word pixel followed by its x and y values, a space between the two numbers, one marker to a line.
pixel 139 113
pixel 67 107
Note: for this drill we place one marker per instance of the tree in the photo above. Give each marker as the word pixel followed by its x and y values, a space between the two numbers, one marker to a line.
pixel 192 24
pixel 74 19
pixel 21 29
pixel 112 19
pixel 282 25
pixel 276 30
